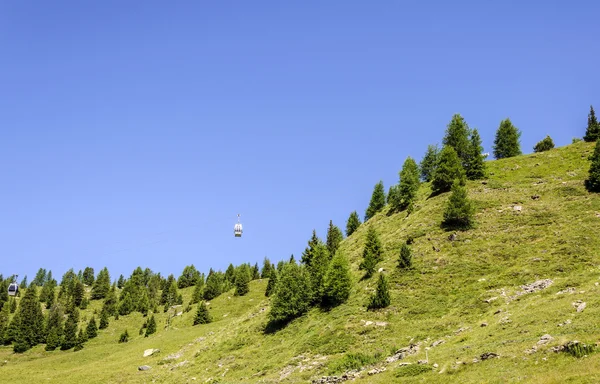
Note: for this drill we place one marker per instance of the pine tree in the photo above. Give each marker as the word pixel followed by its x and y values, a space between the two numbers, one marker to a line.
pixel 308 251
pixel 202 314
pixel 92 328
pixel 317 271
pixel 593 181
pixel 188 277
pixel 4 321
pixel 230 274
pixel 121 282
pixel 429 162
pixel 197 294
pixel 54 327
pixel 88 276
pixel 266 269
pixel 143 305
pixel 405 259
pixel 334 238
pixel 110 302
pixel 592 132
pixel 293 294
pixel 475 168
pixel 272 283
pixel 448 169
pixel 70 336
pixel 507 139
pixel 338 281
pixel 81 339
pixel 103 319
pixel 12 332
pixel 213 287
pixel 409 184
pixel 255 272
pixel 31 325
pixel 126 305
pixel 169 293
pixel 124 337
pixel 392 198
pixel 40 277
pixel 353 223
pixel 78 293
pixel 459 213
pixel 381 298
pixel 544 145
pixel 372 253
pixel 101 285
pixel 52 340
pixel 377 201
pixel 151 327
pixel 23 284
pixel 242 280
pixel 457 137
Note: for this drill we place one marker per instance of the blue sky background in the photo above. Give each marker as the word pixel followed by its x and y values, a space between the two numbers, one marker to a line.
pixel 133 133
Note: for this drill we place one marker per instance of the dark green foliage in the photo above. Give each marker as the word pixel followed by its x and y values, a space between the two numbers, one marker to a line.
pixel 593 181
pixel 121 282
pixel 334 238
pixel 52 340
pixel 40 277
pixel 242 280
pixel 4 321
pixel 189 277
pixel 545 145
pixel 47 294
pixel 392 198
pixel 126 305
pixel 272 282
pixel 13 305
pixel 88 276
pixel 101 285
pixel 70 336
pixel 103 319
pixel 405 259
pixel 23 283
pixel 338 281
pixel 353 361
pixel 92 328
pixel 578 349
pixel 4 291
pixel 475 166
pixel 457 137
pixel 197 294
pixel 317 270
pixel 202 314
pixel 381 298
pixel 353 223
pixel 151 327
pixel 412 370
pixel 409 184
pixel 266 269
pixel 459 213
pixel 293 294
pixel 124 337
pixel 448 169
pixel 78 293
pixel 12 332
pixel 179 299
pixel 110 302
pixel 308 251
pixel 81 339
pixel 372 253
pixel 429 162
pixel 143 305
pixel 169 293
pixel 506 143
pixel 377 201
pixel 31 326
pixel 255 272
pixel 213 286
pixel 54 327
pixel 592 132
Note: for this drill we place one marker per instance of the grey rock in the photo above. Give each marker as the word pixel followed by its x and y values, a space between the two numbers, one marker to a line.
pixel 144 368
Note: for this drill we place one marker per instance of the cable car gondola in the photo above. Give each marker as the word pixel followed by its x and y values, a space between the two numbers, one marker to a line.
pixel 237 228
pixel 13 288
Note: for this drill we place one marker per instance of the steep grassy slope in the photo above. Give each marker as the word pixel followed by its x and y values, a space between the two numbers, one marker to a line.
pixel 441 302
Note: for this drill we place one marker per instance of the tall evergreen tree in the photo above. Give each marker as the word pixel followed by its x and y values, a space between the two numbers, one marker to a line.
pixel 429 162
pixel 31 325
pixel 88 276
pixel 592 132
pixel 126 305
pixel 4 321
pixel 255 272
pixel 121 281
pixel 78 293
pixel 317 271
pixel 143 305
pixel 409 184
pixel 475 168
pixel 242 280
pixel 392 198
pixel 334 238
pixel 405 259
pixel 338 281
pixel 202 314
pixel 457 137
pixel 459 213
pixel 188 277
pixel 81 339
pixel 70 336
pixel 212 288
pixel 101 286
pixel 448 169
pixel 507 141
pixel 47 292
pixel 293 294
pixel 377 201
pixel 381 298
pixel 40 277
pixel 353 223
pixel 92 328
pixel 372 252
pixel 169 293
pixel 266 269
pixel 230 274
pixel 151 327
pixel 308 251
pixel 103 319
pixel 272 282
pixel 23 284
pixel 593 181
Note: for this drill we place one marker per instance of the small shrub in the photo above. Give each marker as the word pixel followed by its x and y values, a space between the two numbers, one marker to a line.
pixel 544 145
pixel 124 337
pixel 578 350
pixel 412 370
pixel 352 361
pixel 576 140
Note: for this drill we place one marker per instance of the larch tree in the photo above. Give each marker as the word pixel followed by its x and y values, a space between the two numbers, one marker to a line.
pixel 353 223
pixel 507 141
pixel 377 202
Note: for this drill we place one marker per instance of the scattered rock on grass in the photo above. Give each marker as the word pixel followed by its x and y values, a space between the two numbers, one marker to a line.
pixel 545 339
pixel 144 368
pixel 488 355
pixel 579 305
pixel 150 352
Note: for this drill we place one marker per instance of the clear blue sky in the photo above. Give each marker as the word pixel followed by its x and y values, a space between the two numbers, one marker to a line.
pixel 133 133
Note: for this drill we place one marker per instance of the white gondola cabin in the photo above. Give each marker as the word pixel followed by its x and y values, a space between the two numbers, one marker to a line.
pixel 13 289
pixel 237 228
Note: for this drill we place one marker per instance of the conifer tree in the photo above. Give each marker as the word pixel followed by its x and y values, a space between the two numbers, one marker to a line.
pixel 293 294
pixel 121 281
pixel 459 213
pixel 78 293
pixel 88 276
pixel 12 332
pixel 308 251
pixel 51 299
pixel 151 327
pixel 23 284
pixel 4 291
pixel 212 288
pixel 197 294
pixel 592 132
pixel 405 259
pixel 54 327
pixel 448 169
pixel 377 201
pixel 31 325
pixel 544 145
pixel 475 168
pixel 506 143
pixel 81 339
pixel 317 271
pixel 372 253
pixel 457 137
pixel 334 238
pixel 70 336
pixel 242 280
pixel 392 198
pixel 101 286
pixel 338 281
pixel 53 340
pixel 188 277
pixel 429 162
pixel 255 272
pixel 381 298
pixel 169 293
pixel 593 181
pixel 353 223
pixel 409 184
pixel 272 282
pixel 126 305
pixel 40 277
pixel 4 321
pixel 92 328
pixel 230 274
pixel 103 319
pixel 124 338
pixel 110 302
pixel 266 269
pixel 143 305
pixel 202 314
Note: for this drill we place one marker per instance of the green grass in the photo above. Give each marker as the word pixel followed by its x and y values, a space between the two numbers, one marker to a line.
pixel 554 237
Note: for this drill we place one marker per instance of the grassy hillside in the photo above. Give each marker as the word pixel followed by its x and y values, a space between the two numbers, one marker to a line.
pixel 463 299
